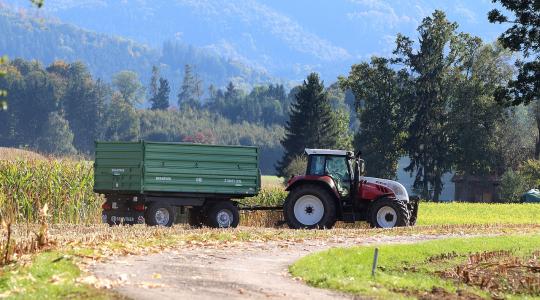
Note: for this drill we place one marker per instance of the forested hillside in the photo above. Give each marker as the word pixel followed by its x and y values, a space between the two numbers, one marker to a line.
pixel 62 110
pixel 46 40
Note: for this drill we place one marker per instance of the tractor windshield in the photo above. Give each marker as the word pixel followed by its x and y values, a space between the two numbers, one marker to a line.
pixel 336 167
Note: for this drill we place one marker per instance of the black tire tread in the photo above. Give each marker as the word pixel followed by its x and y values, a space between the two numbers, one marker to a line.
pixel 215 207
pixel 403 213
pixel 150 211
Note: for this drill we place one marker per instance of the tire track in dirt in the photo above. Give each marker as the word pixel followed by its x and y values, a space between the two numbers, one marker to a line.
pixel 250 270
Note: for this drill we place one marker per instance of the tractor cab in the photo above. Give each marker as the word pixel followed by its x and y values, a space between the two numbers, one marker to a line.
pixel 339 165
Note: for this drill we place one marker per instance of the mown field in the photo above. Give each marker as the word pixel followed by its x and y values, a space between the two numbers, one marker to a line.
pixel 48 205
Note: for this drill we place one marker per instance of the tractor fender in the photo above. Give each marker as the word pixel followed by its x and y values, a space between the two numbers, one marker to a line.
pixel 325 182
pixel 394 187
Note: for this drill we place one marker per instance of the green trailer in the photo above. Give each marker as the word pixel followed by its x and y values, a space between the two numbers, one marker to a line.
pixel 144 182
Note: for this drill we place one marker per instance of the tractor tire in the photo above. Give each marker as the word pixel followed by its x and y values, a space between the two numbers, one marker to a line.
pixel 309 207
pixel 222 214
pixel 413 209
pixel 388 213
pixel 195 217
pixel 160 214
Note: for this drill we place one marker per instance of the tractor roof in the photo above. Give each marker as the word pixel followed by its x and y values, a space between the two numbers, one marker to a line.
pixel 326 152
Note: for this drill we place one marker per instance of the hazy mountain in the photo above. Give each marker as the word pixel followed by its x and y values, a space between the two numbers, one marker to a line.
pixel 285 38
pixel 25 36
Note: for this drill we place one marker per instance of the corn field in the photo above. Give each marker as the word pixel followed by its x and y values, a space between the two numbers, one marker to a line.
pixel 64 187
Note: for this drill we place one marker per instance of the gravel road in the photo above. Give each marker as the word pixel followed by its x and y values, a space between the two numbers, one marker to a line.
pixel 251 270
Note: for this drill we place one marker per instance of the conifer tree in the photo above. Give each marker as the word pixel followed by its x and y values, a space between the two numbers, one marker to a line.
pixel 191 90
pixel 312 122
pixel 161 99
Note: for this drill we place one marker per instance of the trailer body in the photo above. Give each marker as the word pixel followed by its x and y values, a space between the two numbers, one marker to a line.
pixel 137 177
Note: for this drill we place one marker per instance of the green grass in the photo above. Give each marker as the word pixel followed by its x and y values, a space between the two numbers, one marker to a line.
pixel 477 213
pixel 401 267
pixel 50 275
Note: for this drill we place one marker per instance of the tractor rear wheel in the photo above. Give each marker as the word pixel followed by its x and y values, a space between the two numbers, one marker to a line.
pixel 388 213
pixel 309 206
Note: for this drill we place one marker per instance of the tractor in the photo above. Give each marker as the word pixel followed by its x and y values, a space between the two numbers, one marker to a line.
pixel 334 189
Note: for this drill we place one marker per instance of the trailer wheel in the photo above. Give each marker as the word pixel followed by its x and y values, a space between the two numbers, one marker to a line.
pixel 160 214
pixel 309 206
pixel 195 217
pixel 388 213
pixel 222 214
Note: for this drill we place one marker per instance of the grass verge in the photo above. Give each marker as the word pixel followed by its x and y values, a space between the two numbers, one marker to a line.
pixel 49 275
pixel 414 270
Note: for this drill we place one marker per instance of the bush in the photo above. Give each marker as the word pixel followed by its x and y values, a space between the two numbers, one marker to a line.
pixel 297 166
pixel 513 185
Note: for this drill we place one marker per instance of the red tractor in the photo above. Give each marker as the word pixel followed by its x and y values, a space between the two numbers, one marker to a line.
pixel 334 188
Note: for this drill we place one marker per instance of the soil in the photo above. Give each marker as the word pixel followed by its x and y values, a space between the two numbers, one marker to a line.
pixel 251 270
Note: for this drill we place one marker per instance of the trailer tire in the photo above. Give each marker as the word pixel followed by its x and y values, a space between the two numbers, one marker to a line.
pixel 222 214
pixel 195 217
pixel 160 214
pixel 388 213
pixel 310 199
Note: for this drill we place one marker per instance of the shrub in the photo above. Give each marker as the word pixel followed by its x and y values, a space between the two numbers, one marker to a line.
pixel 297 167
pixel 513 185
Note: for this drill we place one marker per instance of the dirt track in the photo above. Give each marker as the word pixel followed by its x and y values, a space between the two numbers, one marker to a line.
pixel 255 270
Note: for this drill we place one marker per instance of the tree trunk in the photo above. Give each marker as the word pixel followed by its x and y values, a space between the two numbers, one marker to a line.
pixel 537 146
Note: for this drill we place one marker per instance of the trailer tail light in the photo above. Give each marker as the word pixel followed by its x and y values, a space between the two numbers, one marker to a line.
pixel 139 207
pixel 106 206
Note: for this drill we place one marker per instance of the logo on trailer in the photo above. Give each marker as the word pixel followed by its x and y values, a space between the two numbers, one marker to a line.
pixel 160 178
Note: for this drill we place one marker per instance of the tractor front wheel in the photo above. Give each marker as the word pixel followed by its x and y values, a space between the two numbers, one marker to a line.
pixel 309 207
pixel 388 213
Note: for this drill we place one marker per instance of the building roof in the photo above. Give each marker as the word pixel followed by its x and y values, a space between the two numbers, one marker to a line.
pixel 326 152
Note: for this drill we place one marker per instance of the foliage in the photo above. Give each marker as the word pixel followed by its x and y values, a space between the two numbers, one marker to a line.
pixel 38 37
pixel 57 137
pixel 297 166
pixel 380 93
pixel 312 122
pixel 122 121
pixel 161 99
pixel 129 86
pixel 264 104
pixel 523 35
pixel 191 90
pixel 203 126
pixel 513 185
pixel 96 112
pixel 475 117
pixel 409 270
pixel 530 170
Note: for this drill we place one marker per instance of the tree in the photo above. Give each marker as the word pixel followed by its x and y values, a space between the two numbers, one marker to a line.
pixel 523 36
pixel 129 86
pixel 154 80
pixel 190 91
pixel 379 92
pixel 475 117
pixel 312 123
pixel 161 99
pixel 428 141
pixel 56 137
pixel 122 120
pixel 84 106
pixel 4 61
